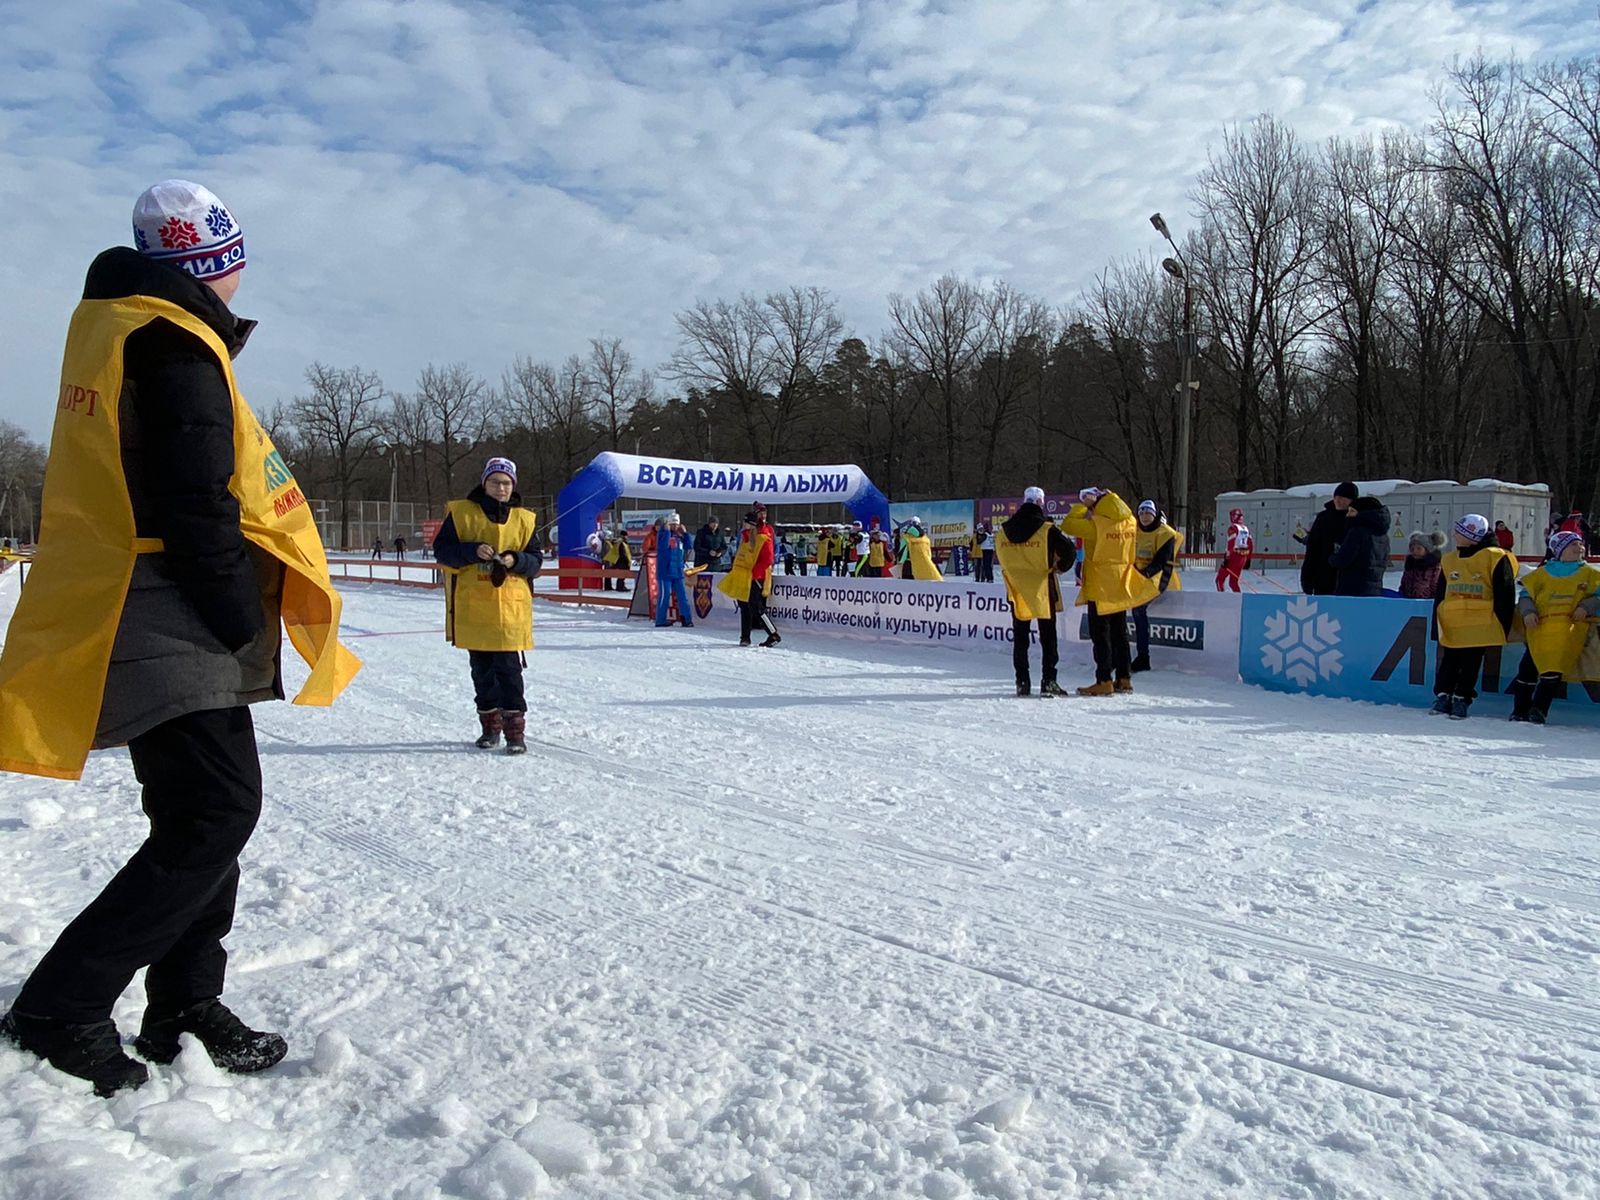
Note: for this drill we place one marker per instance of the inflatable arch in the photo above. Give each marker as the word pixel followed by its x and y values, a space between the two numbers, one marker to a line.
pixel 610 475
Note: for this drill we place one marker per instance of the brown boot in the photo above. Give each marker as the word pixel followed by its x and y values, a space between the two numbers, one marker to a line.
pixel 490 737
pixel 1123 685
pixel 1102 688
pixel 514 723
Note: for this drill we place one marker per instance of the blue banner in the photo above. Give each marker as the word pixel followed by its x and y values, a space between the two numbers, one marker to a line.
pixel 1376 649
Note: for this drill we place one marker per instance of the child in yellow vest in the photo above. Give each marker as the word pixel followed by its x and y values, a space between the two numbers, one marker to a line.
pixel 1472 611
pixel 1558 606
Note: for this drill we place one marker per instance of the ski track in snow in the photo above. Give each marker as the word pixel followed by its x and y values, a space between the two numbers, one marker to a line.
pixel 835 920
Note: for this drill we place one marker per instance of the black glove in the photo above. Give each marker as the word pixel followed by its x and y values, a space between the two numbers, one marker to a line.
pixel 497 573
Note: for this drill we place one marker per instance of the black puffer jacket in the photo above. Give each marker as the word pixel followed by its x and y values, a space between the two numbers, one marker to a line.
pixel 1317 575
pixel 1362 557
pixel 199 627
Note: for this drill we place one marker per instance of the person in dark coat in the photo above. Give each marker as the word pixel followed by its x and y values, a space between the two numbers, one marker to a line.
pixel 1317 574
pixel 709 543
pixel 197 641
pixel 1030 581
pixel 1362 557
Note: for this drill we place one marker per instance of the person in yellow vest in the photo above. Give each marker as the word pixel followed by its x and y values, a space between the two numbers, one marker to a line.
pixel 1559 601
pixel 608 559
pixel 1032 552
pixel 624 557
pixel 174 542
pixel 877 554
pixel 1156 557
pixel 1111 585
pixel 916 553
pixel 1472 611
pixel 749 578
pixel 491 555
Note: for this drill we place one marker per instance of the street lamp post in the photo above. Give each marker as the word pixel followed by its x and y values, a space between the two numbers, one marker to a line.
pixel 1188 385
pixel 639 437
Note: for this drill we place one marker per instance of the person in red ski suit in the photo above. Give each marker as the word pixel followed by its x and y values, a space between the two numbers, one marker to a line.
pixel 1236 551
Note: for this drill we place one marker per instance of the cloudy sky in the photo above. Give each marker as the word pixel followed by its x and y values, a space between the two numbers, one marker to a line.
pixel 460 180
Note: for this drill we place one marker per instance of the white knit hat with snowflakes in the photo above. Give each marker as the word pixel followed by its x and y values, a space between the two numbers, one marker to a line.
pixel 184 224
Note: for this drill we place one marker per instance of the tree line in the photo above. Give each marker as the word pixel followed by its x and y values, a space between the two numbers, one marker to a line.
pixel 1417 304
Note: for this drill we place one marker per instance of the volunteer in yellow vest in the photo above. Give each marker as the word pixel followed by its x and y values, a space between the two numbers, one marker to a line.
pixel 1032 551
pixel 1156 557
pixel 1472 611
pixel 491 555
pixel 916 553
pixel 1111 586
pixel 1558 606
pixel 749 578
pixel 173 542
pixel 877 555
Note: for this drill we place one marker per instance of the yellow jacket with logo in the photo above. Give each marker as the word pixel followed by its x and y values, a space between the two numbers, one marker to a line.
pixel 1110 541
pixel 59 644
pixel 1152 540
pixel 1465 609
pixel 1556 640
pixel 1025 568
pixel 477 614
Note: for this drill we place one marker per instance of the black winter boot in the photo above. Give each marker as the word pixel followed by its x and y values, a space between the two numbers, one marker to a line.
pixel 92 1051
pixel 1024 687
pixel 1051 688
pixel 490 737
pixel 232 1045
pixel 1441 706
pixel 1458 708
pixel 1142 663
pixel 515 724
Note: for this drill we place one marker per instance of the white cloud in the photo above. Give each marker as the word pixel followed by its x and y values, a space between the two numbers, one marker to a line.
pixel 442 180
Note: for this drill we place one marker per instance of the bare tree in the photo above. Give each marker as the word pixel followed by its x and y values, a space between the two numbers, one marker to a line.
pixel 22 462
pixel 1017 332
pixel 726 348
pixel 1255 263
pixel 558 403
pixel 341 416
pixel 456 403
pixel 802 328
pixel 941 334
pixel 409 432
pixel 618 388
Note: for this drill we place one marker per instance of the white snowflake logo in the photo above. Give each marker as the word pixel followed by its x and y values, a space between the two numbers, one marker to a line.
pixel 1300 643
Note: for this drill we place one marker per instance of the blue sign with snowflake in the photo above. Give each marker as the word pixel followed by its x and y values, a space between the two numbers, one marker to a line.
pixel 1378 649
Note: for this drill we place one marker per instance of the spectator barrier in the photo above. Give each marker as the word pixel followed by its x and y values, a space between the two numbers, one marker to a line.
pixel 1376 649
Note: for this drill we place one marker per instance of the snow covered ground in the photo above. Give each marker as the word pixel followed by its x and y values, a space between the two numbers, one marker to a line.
pixel 833 920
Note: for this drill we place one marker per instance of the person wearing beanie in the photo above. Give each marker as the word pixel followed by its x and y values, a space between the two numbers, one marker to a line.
pixel 491 555
pixel 1361 559
pixel 1111 584
pixel 1032 551
pixel 1156 557
pixel 1560 600
pixel 174 546
pixel 749 580
pixel 1421 577
pixel 674 549
pixel 1317 574
pixel 710 543
pixel 1237 550
pixel 1472 611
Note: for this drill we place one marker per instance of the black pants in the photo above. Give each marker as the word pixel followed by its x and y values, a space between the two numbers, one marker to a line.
pixel 1459 668
pixel 1532 690
pixel 753 612
pixel 802 565
pixel 1110 637
pixel 1047 646
pixel 497 679
pixel 172 904
pixel 986 567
